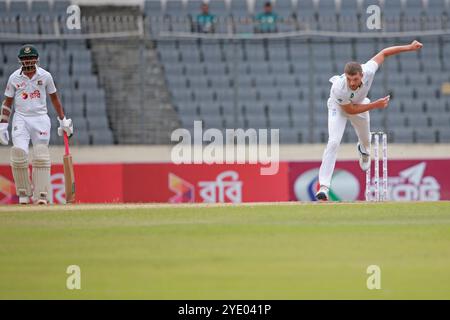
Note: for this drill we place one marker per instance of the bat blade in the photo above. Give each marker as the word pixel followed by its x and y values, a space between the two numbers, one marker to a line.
pixel 69 178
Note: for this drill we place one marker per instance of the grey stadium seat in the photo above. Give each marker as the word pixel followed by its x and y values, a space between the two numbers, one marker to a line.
pixel 18 7
pixel 403 135
pixel 97 123
pixel 60 6
pixel 306 8
pixel 152 7
pixel 425 135
pixel 40 6
pixel 102 137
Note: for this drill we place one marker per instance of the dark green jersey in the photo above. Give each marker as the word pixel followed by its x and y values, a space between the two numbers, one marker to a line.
pixel 205 22
pixel 267 22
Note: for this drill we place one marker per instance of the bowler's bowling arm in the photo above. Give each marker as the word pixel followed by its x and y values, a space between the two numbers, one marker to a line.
pixel 390 51
pixel 353 108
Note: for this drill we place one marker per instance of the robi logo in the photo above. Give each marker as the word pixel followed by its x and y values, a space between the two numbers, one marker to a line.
pixel 35 94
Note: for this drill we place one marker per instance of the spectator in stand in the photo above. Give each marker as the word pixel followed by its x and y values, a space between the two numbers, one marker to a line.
pixel 205 21
pixel 267 20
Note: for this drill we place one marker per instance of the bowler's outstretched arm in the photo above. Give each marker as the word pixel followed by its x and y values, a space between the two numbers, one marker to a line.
pixel 390 51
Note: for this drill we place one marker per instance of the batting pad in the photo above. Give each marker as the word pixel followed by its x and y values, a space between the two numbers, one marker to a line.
pixel 41 172
pixel 19 165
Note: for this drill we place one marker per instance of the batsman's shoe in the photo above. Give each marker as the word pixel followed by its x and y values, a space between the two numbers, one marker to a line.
pixel 322 194
pixel 42 198
pixel 42 202
pixel 364 159
pixel 24 200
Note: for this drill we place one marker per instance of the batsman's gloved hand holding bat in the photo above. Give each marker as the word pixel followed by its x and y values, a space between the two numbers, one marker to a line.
pixel 65 125
pixel 4 135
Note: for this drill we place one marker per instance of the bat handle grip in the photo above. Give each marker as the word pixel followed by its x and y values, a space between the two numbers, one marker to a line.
pixel 66 143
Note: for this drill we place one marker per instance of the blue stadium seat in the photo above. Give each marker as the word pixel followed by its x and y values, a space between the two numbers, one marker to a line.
pixel 437 7
pixel 153 8
pixel 102 137
pixel 283 8
pixel 40 7
pixel 239 8
pixel 218 7
pixel 3 7
pixel 414 8
pixel 425 135
pixel 174 8
pixel 444 135
pixel 327 7
pixel 18 7
pixel 292 136
pixel 350 8
pixel 393 8
pixel 60 6
pixel 306 8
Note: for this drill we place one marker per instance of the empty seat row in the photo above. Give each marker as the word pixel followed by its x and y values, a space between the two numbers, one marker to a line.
pixel 34 7
pixel 301 7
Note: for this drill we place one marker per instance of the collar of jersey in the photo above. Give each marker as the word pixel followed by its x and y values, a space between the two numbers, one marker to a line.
pixel 38 73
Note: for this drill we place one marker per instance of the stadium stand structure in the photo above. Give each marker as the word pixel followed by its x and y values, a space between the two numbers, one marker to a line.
pixel 283 83
pixel 132 87
pixel 138 100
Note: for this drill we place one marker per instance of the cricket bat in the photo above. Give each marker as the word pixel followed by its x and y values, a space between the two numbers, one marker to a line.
pixel 69 176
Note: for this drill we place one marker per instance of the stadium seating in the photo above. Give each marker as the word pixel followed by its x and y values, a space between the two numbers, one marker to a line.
pixel 271 83
pixel 284 83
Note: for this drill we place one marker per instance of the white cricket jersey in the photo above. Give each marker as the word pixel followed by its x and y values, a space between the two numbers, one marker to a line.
pixel 30 95
pixel 341 94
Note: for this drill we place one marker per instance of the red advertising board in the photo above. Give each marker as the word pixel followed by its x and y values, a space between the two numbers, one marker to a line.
pixel 95 183
pixel 421 180
pixel 162 182
pixel 203 183
pixel 409 180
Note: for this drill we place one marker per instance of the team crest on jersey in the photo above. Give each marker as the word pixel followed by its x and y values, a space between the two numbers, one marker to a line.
pixel 39 83
pixel 24 96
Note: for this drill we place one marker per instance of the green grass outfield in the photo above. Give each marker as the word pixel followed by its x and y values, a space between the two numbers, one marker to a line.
pixel 266 251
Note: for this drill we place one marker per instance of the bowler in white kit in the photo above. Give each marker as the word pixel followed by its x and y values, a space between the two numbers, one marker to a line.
pixel 27 90
pixel 348 101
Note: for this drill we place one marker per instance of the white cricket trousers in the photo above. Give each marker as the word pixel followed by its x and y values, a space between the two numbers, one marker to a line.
pixel 337 120
pixel 26 128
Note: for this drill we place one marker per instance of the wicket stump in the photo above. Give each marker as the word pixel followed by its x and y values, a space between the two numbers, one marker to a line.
pixel 376 195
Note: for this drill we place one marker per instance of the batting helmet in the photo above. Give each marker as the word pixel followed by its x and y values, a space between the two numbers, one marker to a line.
pixel 28 57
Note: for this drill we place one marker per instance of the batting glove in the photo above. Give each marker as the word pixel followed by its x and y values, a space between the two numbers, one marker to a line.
pixel 65 125
pixel 4 135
